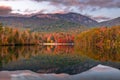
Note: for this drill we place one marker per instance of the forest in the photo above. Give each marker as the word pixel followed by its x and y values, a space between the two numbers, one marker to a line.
pixel 96 37
pixel 102 43
pixel 15 36
pixel 93 43
pixel 100 37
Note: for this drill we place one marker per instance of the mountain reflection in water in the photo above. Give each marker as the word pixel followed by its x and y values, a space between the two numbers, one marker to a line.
pixel 57 59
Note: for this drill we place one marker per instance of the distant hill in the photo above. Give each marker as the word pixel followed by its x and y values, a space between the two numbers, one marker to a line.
pixel 55 22
pixel 112 22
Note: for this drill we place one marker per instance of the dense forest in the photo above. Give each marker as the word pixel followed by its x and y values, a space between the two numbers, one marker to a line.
pixel 94 43
pixel 101 44
pixel 100 37
pixel 15 36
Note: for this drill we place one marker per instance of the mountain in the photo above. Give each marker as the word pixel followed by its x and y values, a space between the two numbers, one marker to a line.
pixel 112 22
pixel 49 22
pixel 55 22
pixel 69 17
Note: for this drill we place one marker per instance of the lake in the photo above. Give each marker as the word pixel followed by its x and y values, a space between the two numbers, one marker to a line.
pixel 57 59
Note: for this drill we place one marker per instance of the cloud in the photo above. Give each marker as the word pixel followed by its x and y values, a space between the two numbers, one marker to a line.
pixel 29 11
pixel 64 2
pixel 103 3
pixel 82 4
pixel 5 10
pixel 59 11
pixel 99 18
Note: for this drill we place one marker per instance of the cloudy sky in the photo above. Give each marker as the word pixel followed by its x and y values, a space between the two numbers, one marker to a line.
pixel 99 10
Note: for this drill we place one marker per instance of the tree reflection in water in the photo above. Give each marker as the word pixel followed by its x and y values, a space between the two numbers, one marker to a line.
pixel 57 59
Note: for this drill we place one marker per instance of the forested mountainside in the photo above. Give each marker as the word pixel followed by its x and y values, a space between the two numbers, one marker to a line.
pixel 50 22
pixel 55 22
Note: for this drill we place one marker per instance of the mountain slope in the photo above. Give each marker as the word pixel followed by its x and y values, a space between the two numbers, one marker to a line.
pixel 112 22
pixel 69 17
pixel 55 22
pixel 49 22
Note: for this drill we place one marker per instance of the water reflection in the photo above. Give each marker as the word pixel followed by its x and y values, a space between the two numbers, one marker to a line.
pixel 101 53
pixel 57 59
pixel 8 54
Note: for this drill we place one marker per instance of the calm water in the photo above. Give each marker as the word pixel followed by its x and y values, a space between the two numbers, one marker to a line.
pixel 57 59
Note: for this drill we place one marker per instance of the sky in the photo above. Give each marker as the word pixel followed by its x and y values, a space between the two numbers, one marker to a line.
pixel 100 10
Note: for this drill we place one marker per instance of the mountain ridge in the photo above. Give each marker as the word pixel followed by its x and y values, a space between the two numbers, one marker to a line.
pixel 112 22
pixel 55 22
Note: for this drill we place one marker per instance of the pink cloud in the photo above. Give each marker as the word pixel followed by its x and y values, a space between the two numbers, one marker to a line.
pixel 5 10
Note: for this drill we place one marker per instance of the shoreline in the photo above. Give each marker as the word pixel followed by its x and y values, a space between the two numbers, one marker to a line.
pixel 58 44
pixel 41 44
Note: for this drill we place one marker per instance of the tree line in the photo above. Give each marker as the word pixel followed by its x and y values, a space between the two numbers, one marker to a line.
pixel 100 37
pixel 96 37
pixel 15 36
